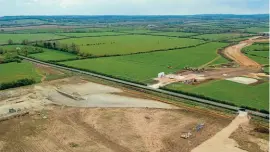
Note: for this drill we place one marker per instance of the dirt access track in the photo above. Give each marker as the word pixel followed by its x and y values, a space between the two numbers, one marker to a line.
pixel 64 117
pixel 234 53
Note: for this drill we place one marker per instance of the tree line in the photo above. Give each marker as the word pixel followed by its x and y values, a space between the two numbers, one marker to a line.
pixel 18 83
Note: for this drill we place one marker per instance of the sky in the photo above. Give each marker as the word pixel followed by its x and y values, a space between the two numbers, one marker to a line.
pixel 132 7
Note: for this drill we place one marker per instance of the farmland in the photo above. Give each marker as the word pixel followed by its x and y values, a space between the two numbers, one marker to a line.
pixel 18 38
pixel 259 52
pixel 143 67
pixel 52 55
pixel 92 34
pixel 257 29
pixel 15 71
pixel 87 77
pixel 174 34
pixel 127 44
pixel 236 93
pixel 219 37
pixel 43 54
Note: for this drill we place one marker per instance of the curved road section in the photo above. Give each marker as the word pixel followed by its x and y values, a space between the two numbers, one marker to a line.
pixel 148 88
pixel 234 53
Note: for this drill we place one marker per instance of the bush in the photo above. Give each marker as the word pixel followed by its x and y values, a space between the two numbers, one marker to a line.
pixel 18 83
pixel 264 111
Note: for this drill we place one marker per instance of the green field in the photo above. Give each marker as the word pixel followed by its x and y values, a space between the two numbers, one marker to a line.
pixel 266 69
pixel 52 55
pixel 263 61
pixel 28 21
pixel 258 47
pixel 177 34
pixel 47 55
pixel 12 48
pixel 90 34
pixel 219 37
pixel 239 39
pixel 144 67
pixel 127 44
pixel 239 94
pixel 18 38
pixel 14 71
pixel 259 52
pixel 257 29
pixel 138 31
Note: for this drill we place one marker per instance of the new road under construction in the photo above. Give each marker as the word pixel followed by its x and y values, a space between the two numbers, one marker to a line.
pixel 234 108
pixel 134 83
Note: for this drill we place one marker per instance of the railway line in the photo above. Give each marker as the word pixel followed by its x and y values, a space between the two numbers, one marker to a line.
pixel 196 99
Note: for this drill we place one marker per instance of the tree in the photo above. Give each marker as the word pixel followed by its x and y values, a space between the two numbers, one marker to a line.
pixel 74 48
pixel 54 45
pixel 25 42
pixel 10 42
pixel 25 51
pixel 64 47
pixel 2 51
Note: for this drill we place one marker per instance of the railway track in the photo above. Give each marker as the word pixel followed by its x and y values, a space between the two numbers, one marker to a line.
pixel 209 102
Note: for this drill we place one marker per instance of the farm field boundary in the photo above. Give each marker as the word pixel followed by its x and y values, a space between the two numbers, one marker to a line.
pixel 151 89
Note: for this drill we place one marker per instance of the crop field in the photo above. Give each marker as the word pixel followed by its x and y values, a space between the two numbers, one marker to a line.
pixel 258 47
pixel 46 55
pixel 18 38
pixel 15 71
pixel 239 39
pixel 239 94
pixel 127 44
pixel 261 60
pixel 257 29
pixel 92 34
pixel 43 29
pixel 28 21
pixel 219 37
pixel 53 55
pixel 259 52
pixel 138 31
pixel 176 34
pixel 40 30
pixel 266 69
pixel 12 48
pixel 144 67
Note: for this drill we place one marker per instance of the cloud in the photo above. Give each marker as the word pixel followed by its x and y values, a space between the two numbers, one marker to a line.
pixel 70 3
pixel 132 7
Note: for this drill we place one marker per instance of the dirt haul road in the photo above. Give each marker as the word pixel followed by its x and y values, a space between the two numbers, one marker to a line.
pixel 234 53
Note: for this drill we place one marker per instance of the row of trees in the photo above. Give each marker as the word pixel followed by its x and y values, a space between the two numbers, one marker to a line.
pixel 24 42
pixel 12 55
pixel 8 56
pixel 72 48
pixel 55 45
pixel 28 50
pixel 18 83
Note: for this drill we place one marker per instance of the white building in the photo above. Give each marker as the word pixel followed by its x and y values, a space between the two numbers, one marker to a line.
pixel 161 75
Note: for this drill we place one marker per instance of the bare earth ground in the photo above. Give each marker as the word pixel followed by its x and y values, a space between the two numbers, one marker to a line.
pixel 234 52
pixel 247 67
pixel 221 142
pixel 112 129
pixel 53 125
